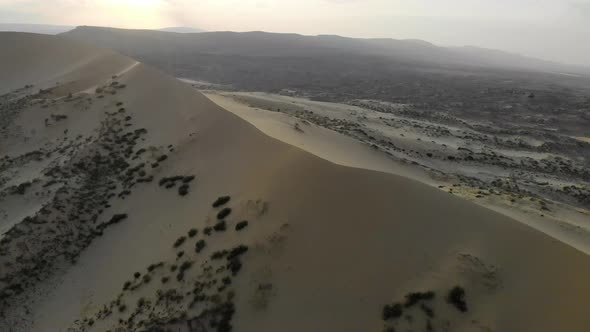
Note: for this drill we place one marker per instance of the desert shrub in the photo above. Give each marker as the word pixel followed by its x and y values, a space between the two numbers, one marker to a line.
pixel 220 226
pixel 137 275
pixel 192 232
pixel 200 245
pixel 237 251
pixel 162 158
pixel 188 179
pixel 456 297
pixel 427 310
pixel 223 213
pixel 173 267
pixel 154 266
pixel 179 254
pixel 185 266
pixel 146 278
pixel 241 225
pixel 126 285
pixel 234 266
pixel 415 297
pixel 392 311
pixel 183 190
pixel 207 230
pixel 219 254
pixel 165 280
pixel 122 308
pixel 179 241
pixel 221 201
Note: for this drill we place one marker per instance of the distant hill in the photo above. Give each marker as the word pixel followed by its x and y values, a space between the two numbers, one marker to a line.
pixel 46 29
pixel 182 30
pixel 140 42
pixel 331 67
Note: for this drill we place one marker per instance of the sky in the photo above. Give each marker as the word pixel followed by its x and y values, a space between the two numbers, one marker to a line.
pixel 557 30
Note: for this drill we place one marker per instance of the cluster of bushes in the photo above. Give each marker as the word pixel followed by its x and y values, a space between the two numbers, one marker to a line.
pixel 415 297
pixel 170 182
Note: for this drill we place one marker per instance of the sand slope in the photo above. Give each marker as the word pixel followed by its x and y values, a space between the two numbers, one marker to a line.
pixel 329 245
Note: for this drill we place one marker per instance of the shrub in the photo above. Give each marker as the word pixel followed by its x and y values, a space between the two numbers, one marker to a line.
pixel 146 278
pixel 122 308
pixel 456 297
pixel 237 251
pixel 200 245
pixel 221 201
pixel 219 254
pixel 188 179
pixel 234 266
pixel 220 226
pixel 223 213
pixel 415 297
pixel 192 232
pixel 392 311
pixel 427 310
pixel 137 275
pixel 241 225
pixel 126 285
pixel 185 266
pixel 179 241
pixel 207 230
pixel 162 158
pixel 165 280
pixel 183 190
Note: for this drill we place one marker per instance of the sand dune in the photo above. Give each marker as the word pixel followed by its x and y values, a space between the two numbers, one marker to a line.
pixel 328 246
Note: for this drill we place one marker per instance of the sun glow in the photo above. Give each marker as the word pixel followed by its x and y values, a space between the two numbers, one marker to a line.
pixel 145 13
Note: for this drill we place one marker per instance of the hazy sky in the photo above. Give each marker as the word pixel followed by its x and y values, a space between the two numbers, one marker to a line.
pixel 551 29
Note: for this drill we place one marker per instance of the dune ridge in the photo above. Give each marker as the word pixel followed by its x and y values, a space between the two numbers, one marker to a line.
pixel 328 246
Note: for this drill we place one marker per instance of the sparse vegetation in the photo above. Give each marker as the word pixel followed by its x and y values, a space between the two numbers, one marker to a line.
pixel 392 311
pixel 193 232
pixel 223 213
pixel 179 241
pixel 456 297
pixel 220 226
pixel 241 225
pixel 415 297
pixel 200 245
pixel 221 201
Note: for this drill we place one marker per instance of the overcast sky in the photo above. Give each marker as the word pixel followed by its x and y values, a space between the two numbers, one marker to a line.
pixel 556 30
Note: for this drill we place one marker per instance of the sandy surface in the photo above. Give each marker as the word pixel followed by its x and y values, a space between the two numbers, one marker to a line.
pixel 314 126
pixel 328 246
